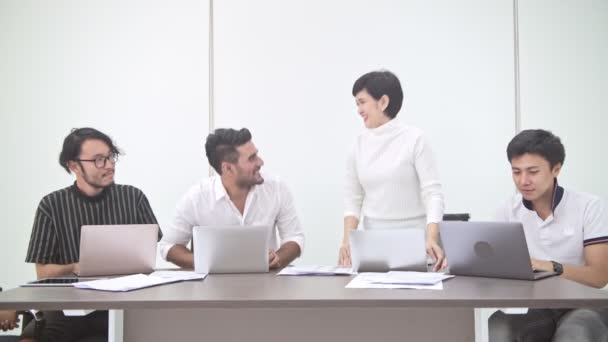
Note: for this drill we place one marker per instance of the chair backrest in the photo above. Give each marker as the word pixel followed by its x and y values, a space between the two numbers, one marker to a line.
pixel 456 217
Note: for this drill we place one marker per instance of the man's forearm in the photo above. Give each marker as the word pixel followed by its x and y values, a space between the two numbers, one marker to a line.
pixel 54 270
pixel 586 275
pixel 181 256
pixel 288 252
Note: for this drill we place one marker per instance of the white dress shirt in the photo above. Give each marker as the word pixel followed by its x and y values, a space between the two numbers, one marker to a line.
pixel 391 175
pixel 578 220
pixel 207 203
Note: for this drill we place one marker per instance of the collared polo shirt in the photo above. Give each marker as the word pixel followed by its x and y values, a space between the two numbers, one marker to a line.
pixel 578 220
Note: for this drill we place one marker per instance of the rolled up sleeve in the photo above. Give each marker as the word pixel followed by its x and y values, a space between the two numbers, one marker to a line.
pixel 287 222
pixel 179 231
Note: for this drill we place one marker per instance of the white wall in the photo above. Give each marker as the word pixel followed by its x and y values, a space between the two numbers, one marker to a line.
pixel 137 70
pixel 564 83
pixel 286 69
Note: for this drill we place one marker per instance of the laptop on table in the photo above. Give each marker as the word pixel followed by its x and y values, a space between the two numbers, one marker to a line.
pixel 117 249
pixel 488 249
pixel 381 250
pixel 231 249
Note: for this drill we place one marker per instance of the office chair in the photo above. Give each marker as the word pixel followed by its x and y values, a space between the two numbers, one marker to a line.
pixel 456 217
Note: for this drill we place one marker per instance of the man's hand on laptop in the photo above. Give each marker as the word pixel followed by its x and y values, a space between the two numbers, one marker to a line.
pixel 54 270
pixel 76 269
pixel 274 261
pixel 541 265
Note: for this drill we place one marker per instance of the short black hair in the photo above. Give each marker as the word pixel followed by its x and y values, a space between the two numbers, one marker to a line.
pixel 221 146
pixel 379 83
pixel 73 143
pixel 540 142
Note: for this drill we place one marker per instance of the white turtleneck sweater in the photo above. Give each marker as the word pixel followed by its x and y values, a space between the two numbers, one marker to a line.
pixel 391 175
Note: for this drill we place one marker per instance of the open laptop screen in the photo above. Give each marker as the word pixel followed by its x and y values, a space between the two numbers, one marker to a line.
pixel 231 249
pixel 488 249
pixel 381 250
pixel 117 249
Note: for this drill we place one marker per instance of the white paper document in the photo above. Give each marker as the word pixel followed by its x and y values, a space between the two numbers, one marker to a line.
pixel 179 275
pixel 412 278
pixel 316 270
pixel 127 283
pixel 386 281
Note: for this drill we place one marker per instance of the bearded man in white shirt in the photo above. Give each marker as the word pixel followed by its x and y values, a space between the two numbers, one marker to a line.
pixel 238 195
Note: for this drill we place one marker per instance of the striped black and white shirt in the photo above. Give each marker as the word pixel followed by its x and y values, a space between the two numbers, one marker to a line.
pixel 55 235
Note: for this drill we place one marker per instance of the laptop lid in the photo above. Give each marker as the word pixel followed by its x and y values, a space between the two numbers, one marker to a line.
pixel 488 249
pixel 381 250
pixel 231 249
pixel 117 249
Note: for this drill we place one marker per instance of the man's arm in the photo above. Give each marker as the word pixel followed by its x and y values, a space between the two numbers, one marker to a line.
pixel 178 233
pixel 593 273
pixel 284 255
pixel 290 231
pixel 43 247
pixel 145 215
pixel 181 256
pixel 55 270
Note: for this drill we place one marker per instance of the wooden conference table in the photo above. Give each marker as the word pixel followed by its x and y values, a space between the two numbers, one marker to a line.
pixel 266 307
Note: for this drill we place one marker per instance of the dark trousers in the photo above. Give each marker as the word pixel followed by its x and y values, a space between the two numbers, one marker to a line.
pixel 56 327
pixel 556 325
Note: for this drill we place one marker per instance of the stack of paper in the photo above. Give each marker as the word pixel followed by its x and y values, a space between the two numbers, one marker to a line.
pixel 316 270
pixel 179 275
pixel 399 280
pixel 127 283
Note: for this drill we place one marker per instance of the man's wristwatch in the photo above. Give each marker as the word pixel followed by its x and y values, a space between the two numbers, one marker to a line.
pixel 557 267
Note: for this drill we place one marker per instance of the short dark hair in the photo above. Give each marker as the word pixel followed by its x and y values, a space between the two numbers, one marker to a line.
pixel 73 143
pixel 221 146
pixel 379 83
pixel 540 142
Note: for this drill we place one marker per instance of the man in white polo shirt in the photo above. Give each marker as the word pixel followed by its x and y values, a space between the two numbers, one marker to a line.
pixel 238 195
pixel 566 232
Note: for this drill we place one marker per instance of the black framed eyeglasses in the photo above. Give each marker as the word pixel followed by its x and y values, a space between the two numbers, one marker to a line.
pixel 100 162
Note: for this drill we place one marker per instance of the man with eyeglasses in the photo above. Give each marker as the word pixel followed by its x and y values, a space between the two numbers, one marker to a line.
pixel 93 199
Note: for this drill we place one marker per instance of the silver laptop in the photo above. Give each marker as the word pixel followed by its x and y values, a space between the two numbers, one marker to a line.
pixel 488 249
pixel 381 250
pixel 117 249
pixel 231 249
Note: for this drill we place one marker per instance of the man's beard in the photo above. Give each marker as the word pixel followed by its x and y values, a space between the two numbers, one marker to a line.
pixel 92 183
pixel 243 182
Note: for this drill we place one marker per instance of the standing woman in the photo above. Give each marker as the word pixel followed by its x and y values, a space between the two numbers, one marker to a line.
pixel 391 176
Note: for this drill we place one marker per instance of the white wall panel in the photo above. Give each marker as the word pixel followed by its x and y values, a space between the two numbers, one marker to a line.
pixel 137 70
pixel 285 70
pixel 564 83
